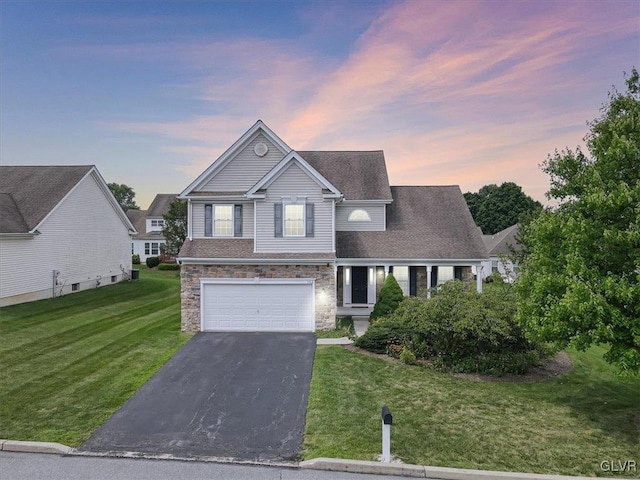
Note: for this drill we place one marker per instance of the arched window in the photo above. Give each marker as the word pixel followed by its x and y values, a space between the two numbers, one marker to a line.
pixel 359 215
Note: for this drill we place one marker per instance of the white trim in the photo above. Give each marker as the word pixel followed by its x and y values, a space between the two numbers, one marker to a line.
pixel 189 219
pixel 358 210
pixel 19 235
pixel 255 226
pixel 371 285
pixel 216 198
pixel 333 227
pixel 294 201
pixel 213 220
pixel 294 159
pixel 413 262
pixel 365 202
pixel 223 159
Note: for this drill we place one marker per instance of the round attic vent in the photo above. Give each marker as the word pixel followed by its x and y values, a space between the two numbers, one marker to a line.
pixel 261 149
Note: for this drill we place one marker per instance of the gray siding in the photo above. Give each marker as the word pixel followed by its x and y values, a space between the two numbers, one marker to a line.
pixel 245 169
pixel 376 212
pixel 84 238
pixel 294 182
pixel 197 222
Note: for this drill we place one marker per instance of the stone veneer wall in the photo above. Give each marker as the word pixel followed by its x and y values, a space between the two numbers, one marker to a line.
pixel 324 275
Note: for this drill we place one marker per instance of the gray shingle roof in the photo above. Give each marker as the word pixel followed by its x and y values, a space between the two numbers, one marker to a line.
pixel 499 243
pixel 358 175
pixel 11 220
pixel 237 248
pixel 422 223
pixel 35 191
pixel 160 204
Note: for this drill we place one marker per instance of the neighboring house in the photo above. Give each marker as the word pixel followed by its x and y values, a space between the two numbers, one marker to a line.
pixel 499 248
pixel 149 224
pixel 284 240
pixel 61 230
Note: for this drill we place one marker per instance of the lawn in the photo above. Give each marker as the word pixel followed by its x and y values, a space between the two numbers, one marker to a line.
pixel 67 364
pixel 567 425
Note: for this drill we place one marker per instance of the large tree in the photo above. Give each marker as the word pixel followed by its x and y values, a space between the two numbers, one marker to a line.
pixel 175 227
pixel 580 284
pixel 124 195
pixel 495 208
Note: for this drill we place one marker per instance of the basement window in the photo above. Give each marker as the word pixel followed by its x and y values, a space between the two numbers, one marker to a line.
pixel 114 278
pixel 75 287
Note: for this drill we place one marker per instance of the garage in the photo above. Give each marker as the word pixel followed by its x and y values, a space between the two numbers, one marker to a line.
pixel 257 305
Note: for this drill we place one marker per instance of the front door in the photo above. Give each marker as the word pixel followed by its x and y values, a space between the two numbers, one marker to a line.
pixel 359 286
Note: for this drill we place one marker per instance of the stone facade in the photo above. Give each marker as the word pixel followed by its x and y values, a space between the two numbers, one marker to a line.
pixel 325 286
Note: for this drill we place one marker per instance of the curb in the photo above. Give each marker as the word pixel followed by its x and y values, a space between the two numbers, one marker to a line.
pixel 35 447
pixel 418 471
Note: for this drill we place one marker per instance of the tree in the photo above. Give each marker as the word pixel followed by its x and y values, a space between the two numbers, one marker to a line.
pixel 175 227
pixel 389 298
pixel 580 283
pixel 124 195
pixel 495 208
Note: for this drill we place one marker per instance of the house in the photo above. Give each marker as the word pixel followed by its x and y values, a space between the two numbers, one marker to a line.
pixel 61 231
pixel 284 240
pixel 149 224
pixel 499 248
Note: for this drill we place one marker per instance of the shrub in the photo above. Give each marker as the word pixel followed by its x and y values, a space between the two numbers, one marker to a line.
pixel 457 330
pixel 407 356
pixel 153 262
pixel 389 298
pixel 135 259
pixel 168 266
pixel 495 277
pixel 384 333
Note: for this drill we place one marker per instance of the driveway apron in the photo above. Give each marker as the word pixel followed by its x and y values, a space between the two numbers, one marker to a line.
pixel 239 395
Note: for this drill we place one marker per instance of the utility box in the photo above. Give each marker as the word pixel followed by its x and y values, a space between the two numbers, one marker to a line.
pixel 135 274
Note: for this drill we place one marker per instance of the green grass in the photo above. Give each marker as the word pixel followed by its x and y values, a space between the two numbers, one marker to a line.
pixel 566 425
pixel 67 364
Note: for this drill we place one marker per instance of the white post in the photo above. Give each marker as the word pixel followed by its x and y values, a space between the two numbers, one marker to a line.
pixel 386 434
pixel 428 281
pixel 478 279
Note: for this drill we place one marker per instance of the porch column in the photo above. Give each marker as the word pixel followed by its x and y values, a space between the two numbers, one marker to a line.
pixel 371 284
pixel 346 285
pixel 478 280
pixel 428 281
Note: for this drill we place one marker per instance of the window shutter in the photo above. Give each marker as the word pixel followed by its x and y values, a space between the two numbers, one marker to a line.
pixel 309 220
pixel 237 220
pixel 208 220
pixel 277 219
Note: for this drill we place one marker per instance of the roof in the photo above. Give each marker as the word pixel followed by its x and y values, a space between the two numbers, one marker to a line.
pixel 500 243
pixel 11 220
pixel 160 204
pixel 138 219
pixel 359 175
pixel 422 223
pixel 238 248
pixel 32 192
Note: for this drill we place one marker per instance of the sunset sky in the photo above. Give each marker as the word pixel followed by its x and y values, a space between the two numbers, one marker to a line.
pixel 454 92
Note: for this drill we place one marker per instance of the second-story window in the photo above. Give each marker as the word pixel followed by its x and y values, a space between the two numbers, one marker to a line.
pixel 294 220
pixel 223 220
pixel 157 223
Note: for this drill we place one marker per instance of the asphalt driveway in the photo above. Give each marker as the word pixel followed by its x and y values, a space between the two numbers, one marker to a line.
pixel 240 395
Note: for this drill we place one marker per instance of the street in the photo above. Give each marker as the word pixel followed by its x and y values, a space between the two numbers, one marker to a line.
pixel 34 466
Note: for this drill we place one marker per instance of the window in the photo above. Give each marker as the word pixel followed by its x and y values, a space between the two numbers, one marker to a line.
pixel 223 220
pixel 152 248
pixel 359 215
pixel 75 287
pixel 132 249
pixel 114 278
pixel 494 265
pixel 445 274
pixel 294 220
pixel 157 223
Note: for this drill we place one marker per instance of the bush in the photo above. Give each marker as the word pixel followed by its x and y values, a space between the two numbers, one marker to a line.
pixel 389 298
pixel 153 262
pixel 457 330
pixel 407 356
pixel 168 266
pixel 135 259
pixel 384 333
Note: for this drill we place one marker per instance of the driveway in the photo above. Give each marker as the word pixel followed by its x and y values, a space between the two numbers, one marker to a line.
pixel 240 395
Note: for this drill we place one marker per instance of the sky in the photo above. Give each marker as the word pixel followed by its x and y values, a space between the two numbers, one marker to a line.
pixel 455 92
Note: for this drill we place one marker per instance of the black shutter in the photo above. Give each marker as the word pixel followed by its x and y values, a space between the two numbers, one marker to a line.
pixel 237 220
pixel 434 276
pixel 413 281
pixel 309 220
pixel 277 219
pixel 208 220
pixel 457 273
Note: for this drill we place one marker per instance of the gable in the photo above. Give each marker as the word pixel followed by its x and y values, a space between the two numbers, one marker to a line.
pixel 256 152
pixel 246 168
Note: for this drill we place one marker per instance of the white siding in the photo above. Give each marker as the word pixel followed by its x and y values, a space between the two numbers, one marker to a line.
pixel 376 212
pixel 84 238
pixel 245 169
pixel 197 224
pixel 138 248
pixel 294 182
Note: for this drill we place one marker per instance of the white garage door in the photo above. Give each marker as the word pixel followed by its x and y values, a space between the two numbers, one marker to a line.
pixel 267 305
